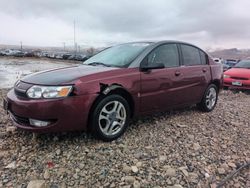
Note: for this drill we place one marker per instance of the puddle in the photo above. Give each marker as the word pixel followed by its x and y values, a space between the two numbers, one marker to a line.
pixel 13 69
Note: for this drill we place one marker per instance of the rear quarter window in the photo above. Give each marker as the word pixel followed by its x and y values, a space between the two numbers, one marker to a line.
pixel 191 55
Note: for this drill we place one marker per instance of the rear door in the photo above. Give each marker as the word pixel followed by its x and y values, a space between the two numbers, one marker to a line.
pixel 196 73
pixel 158 86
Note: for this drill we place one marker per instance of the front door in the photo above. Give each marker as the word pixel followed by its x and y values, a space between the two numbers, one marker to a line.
pixel 158 86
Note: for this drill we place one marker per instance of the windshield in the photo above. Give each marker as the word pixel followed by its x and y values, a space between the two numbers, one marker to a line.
pixel 117 56
pixel 243 64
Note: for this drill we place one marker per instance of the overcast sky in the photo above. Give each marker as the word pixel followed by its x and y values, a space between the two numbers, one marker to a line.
pixel 207 23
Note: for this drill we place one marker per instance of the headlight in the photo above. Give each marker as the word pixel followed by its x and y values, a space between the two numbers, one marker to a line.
pixel 37 92
pixel 226 76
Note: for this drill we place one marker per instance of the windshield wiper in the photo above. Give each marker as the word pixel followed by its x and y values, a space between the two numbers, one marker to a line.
pixel 99 63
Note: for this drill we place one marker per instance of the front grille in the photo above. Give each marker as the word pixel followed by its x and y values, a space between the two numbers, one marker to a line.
pixel 21 88
pixel 19 119
pixel 239 78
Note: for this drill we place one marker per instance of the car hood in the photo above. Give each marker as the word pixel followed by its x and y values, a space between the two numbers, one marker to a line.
pixel 238 72
pixel 63 75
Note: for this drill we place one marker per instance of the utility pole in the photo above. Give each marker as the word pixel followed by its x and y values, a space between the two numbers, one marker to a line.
pixel 75 36
pixel 21 46
pixel 64 46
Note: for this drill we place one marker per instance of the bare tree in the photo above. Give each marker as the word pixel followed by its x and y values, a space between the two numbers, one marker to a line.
pixel 90 51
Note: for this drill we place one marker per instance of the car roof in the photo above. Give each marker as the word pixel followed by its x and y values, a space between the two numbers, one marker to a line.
pixel 163 42
pixel 160 42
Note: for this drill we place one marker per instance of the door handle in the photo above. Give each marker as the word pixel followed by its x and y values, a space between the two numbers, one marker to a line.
pixel 204 70
pixel 177 73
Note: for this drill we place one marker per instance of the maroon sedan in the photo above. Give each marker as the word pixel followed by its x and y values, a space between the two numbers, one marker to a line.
pixel 110 88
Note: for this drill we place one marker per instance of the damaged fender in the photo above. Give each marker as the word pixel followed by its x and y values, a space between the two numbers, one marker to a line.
pixel 105 88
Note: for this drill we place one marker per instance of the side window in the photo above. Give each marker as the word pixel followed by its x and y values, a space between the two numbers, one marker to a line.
pixel 166 54
pixel 191 55
pixel 203 58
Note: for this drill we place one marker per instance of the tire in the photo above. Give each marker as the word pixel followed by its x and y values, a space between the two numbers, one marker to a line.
pixel 110 118
pixel 209 99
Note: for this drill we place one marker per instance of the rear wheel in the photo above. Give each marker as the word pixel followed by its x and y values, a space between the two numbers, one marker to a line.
pixel 110 118
pixel 209 99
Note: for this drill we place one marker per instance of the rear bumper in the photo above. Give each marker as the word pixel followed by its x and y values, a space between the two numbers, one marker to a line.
pixel 245 84
pixel 68 114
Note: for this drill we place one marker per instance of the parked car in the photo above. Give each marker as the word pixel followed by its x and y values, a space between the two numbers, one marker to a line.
pixel 78 57
pixel 10 52
pixel 19 54
pixel 238 77
pixel 29 54
pixel 2 53
pixel 45 54
pixel 66 56
pixel 115 85
pixel 229 63
pixel 59 56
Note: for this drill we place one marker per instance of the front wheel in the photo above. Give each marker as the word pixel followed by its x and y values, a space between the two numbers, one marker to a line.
pixel 110 118
pixel 209 99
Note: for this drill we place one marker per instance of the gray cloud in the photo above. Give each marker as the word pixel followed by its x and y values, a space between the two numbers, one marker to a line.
pixel 206 22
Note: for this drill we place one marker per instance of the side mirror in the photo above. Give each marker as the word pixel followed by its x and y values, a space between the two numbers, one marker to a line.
pixel 154 66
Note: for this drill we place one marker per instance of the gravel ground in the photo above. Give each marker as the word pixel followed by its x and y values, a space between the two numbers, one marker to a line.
pixel 183 148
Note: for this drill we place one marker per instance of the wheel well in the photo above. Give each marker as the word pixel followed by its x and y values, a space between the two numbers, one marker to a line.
pixel 118 91
pixel 217 83
pixel 126 95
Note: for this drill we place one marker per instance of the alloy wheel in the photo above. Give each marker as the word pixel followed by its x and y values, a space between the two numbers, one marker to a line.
pixel 112 118
pixel 211 98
